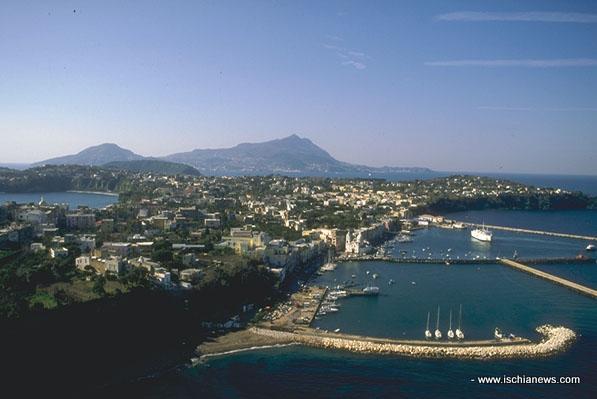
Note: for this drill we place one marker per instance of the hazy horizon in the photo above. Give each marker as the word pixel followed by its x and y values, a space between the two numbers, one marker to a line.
pixel 492 87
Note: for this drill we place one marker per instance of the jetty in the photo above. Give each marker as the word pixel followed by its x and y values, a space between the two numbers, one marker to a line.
pixel 528 231
pixel 555 340
pixel 550 277
pixel 456 261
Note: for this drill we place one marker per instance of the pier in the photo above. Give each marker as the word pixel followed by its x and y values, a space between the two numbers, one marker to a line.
pixel 550 277
pixel 527 231
pixel 451 261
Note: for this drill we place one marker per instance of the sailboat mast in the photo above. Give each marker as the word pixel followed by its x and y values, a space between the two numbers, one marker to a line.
pixel 428 315
pixel 437 323
pixel 460 318
pixel 450 319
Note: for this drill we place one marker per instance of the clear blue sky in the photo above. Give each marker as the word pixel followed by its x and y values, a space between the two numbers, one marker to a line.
pixel 505 86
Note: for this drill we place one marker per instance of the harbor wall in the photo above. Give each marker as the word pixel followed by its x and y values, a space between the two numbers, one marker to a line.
pixel 555 339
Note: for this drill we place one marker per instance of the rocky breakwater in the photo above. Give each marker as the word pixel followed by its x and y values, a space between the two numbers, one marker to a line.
pixel 555 339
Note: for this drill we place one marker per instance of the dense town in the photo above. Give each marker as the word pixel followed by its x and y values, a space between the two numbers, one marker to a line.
pixel 167 231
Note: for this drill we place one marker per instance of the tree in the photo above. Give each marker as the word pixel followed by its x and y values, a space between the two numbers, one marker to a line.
pixel 98 286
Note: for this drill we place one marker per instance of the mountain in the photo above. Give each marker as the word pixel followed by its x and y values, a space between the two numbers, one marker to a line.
pixel 97 155
pixel 153 166
pixel 292 155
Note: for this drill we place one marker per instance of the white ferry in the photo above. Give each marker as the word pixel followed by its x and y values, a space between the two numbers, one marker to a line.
pixel 482 234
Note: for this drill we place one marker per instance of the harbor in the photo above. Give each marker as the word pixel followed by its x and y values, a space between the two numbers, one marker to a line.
pixel 323 313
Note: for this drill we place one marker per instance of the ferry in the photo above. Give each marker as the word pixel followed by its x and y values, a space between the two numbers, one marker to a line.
pixel 482 234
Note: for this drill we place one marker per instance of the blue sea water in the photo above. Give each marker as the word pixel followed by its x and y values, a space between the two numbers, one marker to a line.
pixel 73 199
pixel 491 295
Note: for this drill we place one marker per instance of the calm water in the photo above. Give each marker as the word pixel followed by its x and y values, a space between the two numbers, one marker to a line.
pixel 491 295
pixel 92 200
pixel 583 222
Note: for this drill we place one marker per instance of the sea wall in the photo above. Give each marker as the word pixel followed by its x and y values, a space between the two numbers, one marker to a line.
pixel 555 339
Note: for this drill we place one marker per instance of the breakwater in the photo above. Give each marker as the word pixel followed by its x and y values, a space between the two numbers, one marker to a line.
pixel 550 277
pixel 484 261
pixel 555 339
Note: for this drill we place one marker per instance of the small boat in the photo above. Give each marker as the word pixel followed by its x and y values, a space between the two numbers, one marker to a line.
pixel 450 332
pixel 367 272
pixel 438 333
pixel 375 275
pixel 391 282
pixel 337 330
pixel 427 332
pixel 447 263
pixel 459 333
pixel 498 333
pixel 590 247
pixel 369 290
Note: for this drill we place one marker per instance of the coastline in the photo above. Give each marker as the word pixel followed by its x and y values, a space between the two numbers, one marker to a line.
pixel 109 193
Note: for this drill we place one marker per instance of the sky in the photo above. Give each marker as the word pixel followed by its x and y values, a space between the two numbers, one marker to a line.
pixel 491 86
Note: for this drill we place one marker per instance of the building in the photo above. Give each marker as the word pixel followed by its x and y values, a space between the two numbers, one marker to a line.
pixel 82 262
pixel 121 249
pixel 80 221
pixel 244 240
pixel 190 275
pixel 115 265
pixel 58 252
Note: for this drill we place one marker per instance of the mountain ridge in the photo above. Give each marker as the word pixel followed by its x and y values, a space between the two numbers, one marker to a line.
pixel 291 155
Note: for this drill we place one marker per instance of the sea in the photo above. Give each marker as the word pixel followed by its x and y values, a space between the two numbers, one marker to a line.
pixel 72 198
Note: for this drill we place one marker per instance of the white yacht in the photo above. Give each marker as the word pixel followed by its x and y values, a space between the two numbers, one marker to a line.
pixel 450 332
pixel 590 247
pixel 498 334
pixel 482 234
pixel 438 333
pixel 459 333
pixel 427 331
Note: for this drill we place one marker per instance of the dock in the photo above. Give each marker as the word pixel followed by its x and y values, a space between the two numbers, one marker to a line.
pixel 528 231
pixel 550 277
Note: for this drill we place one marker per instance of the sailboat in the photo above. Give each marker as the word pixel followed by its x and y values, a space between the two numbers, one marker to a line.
pixel 459 333
pixel 498 334
pixel 438 333
pixel 329 264
pixel 427 332
pixel 450 332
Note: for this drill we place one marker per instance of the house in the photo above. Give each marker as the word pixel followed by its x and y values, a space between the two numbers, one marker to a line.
pixel 58 252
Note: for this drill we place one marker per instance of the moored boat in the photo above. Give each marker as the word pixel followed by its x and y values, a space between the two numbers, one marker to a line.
pixel 482 234
pixel 427 332
pixel 459 332
pixel 438 333
pixel 450 332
